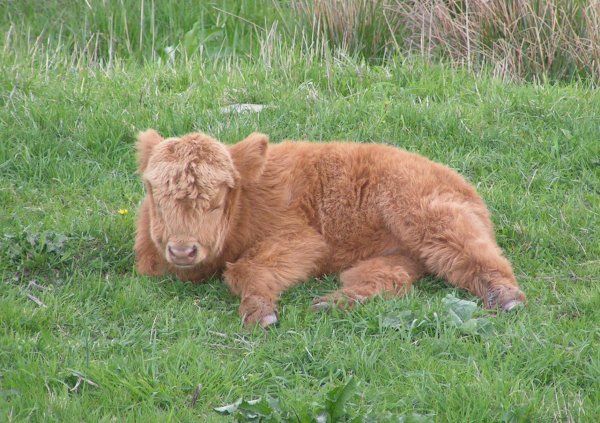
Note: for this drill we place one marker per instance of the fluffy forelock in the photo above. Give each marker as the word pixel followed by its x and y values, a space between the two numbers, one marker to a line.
pixel 192 167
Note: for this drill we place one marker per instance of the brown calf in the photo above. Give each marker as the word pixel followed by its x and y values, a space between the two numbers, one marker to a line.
pixel 270 216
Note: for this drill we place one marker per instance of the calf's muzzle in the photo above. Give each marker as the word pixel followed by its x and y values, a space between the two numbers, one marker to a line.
pixel 184 254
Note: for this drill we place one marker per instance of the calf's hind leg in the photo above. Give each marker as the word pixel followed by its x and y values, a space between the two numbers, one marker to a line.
pixel 393 274
pixel 458 245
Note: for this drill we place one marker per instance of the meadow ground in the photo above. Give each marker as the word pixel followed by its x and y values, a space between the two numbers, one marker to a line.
pixel 83 338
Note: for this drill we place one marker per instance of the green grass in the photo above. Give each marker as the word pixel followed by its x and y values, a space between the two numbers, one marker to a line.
pixel 67 166
pixel 102 31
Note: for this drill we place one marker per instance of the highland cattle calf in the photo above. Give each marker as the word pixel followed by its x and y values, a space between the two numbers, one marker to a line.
pixel 266 217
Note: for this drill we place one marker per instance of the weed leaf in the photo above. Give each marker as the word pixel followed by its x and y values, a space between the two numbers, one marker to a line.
pixel 336 400
pixel 459 310
pixel 191 40
pixel 263 410
pixel 415 418
pixel 255 408
pixel 229 408
pixel 403 320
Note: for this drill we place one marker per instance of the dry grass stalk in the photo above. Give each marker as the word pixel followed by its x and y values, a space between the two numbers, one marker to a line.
pixel 519 39
pixel 357 26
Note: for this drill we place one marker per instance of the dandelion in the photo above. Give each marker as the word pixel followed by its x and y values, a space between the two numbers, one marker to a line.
pixel 123 212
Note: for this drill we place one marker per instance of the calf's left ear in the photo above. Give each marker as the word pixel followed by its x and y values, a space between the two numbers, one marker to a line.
pixel 147 140
pixel 249 156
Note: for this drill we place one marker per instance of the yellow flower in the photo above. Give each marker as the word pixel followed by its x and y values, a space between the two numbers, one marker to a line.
pixel 123 212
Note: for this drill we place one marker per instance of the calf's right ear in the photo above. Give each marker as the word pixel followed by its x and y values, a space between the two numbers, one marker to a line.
pixel 147 140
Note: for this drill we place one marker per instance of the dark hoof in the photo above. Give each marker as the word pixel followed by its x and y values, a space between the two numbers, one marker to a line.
pixel 513 305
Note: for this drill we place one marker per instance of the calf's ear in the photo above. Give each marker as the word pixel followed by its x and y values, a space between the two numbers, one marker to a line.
pixel 249 156
pixel 147 140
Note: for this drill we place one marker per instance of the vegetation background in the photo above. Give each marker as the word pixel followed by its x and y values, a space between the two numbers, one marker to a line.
pixel 504 92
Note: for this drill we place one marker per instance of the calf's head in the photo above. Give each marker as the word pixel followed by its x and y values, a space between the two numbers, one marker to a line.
pixel 190 185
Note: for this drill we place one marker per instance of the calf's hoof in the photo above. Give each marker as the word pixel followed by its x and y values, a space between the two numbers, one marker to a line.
pixel 512 305
pixel 319 304
pixel 336 299
pixel 255 309
pixel 506 298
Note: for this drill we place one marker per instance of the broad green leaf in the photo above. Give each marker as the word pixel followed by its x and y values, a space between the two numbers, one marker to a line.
pixel 229 408
pixel 461 309
pixel 402 320
pixel 478 326
pixel 337 397
pixel 191 40
pixel 415 418
pixel 259 407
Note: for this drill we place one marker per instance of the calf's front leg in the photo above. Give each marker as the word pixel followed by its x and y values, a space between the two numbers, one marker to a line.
pixel 148 260
pixel 261 274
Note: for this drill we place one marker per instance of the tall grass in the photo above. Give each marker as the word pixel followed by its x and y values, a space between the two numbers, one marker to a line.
pixel 363 27
pixel 102 31
pixel 519 39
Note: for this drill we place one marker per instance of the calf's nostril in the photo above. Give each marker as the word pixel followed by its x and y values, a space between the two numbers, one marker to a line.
pixel 193 251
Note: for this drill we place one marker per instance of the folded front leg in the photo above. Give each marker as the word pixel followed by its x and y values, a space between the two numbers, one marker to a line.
pixel 273 265
pixel 148 259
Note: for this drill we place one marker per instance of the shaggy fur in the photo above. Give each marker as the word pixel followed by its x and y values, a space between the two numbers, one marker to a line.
pixel 270 216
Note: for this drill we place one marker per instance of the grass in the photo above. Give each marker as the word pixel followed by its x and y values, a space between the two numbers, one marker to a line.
pixel 102 343
pixel 102 31
pixel 516 40
pixel 542 40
